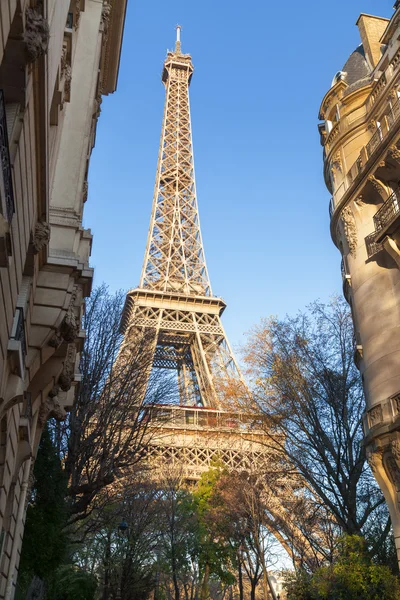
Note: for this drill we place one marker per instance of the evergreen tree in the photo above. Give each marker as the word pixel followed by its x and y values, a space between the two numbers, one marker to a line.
pixel 45 541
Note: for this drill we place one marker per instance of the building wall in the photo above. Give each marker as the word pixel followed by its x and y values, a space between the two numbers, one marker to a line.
pixel 55 63
pixel 361 140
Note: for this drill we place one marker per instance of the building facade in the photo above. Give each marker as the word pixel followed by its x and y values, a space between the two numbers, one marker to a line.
pixel 360 135
pixel 57 59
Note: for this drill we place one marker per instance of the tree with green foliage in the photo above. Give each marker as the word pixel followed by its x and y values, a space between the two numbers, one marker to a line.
pixel 45 541
pixel 216 554
pixel 352 576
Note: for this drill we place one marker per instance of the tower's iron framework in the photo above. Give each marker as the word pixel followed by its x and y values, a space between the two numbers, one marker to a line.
pixel 174 298
pixel 175 307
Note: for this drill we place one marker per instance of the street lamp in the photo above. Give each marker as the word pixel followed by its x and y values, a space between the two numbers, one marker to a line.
pixel 123 526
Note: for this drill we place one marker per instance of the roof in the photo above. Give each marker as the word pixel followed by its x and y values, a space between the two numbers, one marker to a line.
pixel 356 66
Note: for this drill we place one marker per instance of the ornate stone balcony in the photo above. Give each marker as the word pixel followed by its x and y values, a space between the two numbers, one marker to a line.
pixel 386 219
pixel 371 245
pixel 389 121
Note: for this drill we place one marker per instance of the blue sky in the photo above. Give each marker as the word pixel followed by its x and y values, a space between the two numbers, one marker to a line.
pixel 261 71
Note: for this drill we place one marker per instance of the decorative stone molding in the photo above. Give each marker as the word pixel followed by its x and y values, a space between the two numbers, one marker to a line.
pixel 105 17
pixel 64 55
pixel 36 35
pixel 41 236
pixel 379 186
pixel 97 106
pixel 69 328
pixel 375 415
pixel 337 162
pixel 51 407
pixel 67 375
pixel 395 449
pixel 77 13
pixel 350 230
pixel 67 80
pixel 359 201
pixel 392 470
pixel 372 125
pixel 394 152
pixel 374 461
pixel 85 191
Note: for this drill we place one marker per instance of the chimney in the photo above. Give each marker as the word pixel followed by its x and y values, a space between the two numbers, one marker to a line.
pixel 371 31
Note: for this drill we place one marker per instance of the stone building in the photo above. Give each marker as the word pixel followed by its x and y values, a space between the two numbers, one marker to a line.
pixel 361 140
pixel 57 58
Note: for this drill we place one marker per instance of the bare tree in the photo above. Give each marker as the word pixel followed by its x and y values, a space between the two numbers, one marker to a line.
pixel 307 386
pixel 107 427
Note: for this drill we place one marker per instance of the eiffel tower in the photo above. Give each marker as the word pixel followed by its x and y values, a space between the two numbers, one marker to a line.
pixel 174 298
pixel 175 303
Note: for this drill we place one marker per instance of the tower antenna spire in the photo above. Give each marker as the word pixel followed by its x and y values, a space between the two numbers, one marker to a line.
pixel 178 39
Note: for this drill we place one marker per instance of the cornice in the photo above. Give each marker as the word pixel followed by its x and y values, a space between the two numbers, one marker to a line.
pixel 111 53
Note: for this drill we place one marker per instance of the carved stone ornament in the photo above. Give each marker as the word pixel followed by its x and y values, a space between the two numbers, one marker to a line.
pixel 374 461
pixel 394 152
pixel 97 106
pixel 337 162
pixel 85 191
pixel 395 448
pixel 105 17
pixel 36 34
pixel 67 80
pixel 64 54
pixel 67 375
pixel 396 403
pixel 69 328
pixel 379 186
pixel 51 407
pixel 359 201
pixel 375 415
pixel 77 13
pixel 350 230
pixel 393 470
pixel 41 236
pixel 372 125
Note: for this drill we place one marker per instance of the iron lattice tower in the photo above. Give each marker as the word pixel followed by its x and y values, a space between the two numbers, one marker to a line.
pixel 175 303
pixel 174 298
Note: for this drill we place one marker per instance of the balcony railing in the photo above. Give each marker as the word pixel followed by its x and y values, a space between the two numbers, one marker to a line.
pixel 392 118
pixel 388 212
pixel 331 207
pixel 5 162
pixel 372 246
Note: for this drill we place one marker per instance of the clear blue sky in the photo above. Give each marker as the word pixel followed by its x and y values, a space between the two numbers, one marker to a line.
pixel 261 71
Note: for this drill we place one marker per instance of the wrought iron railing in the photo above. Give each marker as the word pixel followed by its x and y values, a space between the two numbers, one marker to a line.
pixel 331 207
pixel 5 161
pixel 343 270
pixel 18 333
pixel 394 113
pixel 372 246
pixel 388 212
pixel 374 142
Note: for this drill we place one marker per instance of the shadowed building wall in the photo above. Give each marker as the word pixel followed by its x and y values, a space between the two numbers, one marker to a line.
pixel 57 59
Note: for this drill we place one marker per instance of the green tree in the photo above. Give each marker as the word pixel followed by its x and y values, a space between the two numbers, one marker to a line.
pixel 216 554
pixel 45 541
pixel 352 576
